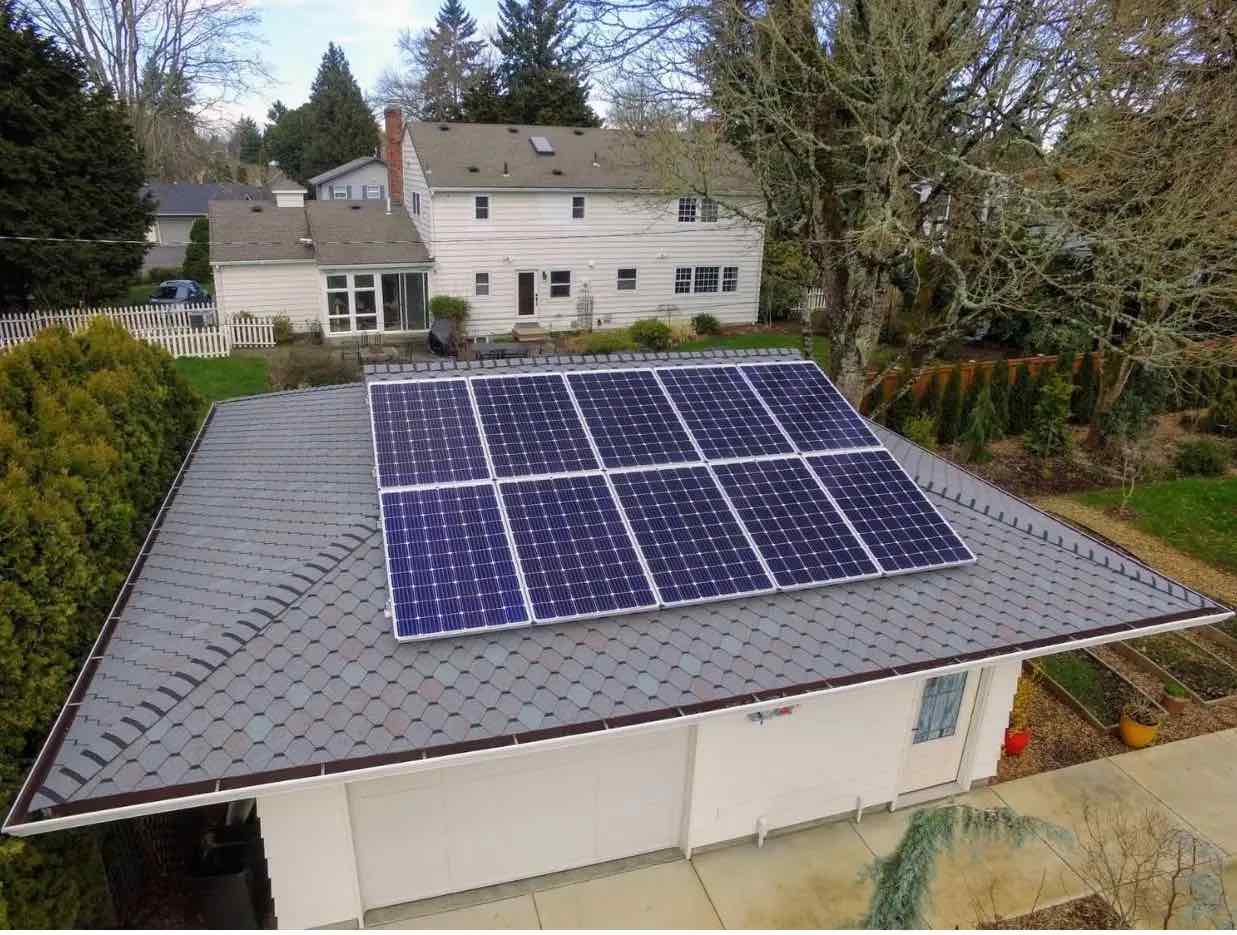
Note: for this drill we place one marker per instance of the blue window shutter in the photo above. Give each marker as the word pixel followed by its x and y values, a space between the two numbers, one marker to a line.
pixel 382 192
pixel 349 192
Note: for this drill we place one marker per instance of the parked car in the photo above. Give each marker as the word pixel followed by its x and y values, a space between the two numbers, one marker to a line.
pixel 172 292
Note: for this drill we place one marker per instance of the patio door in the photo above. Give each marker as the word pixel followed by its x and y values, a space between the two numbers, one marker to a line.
pixel 526 292
pixel 403 302
pixel 938 737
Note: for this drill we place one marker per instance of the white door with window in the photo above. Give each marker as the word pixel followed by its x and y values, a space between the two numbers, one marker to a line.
pixel 938 735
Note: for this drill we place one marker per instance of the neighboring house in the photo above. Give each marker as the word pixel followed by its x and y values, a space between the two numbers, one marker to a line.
pixel 250 656
pixel 560 226
pixel 177 206
pixel 363 179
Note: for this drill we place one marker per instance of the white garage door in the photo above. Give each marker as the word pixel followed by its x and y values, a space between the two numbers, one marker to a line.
pixel 461 827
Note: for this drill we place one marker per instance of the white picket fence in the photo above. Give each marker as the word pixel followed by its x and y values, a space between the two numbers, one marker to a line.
pixel 183 331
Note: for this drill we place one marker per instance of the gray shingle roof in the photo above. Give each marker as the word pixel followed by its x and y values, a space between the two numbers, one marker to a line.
pixel 188 198
pixel 346 167
pixel 238 233
pixel 254 639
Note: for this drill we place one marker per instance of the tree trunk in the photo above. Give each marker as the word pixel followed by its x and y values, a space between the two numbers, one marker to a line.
pixel 1110 392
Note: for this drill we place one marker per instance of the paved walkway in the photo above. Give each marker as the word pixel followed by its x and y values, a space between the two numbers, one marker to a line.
pixel 812 878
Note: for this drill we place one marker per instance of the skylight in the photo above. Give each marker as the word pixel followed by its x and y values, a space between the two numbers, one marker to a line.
pixel 541 145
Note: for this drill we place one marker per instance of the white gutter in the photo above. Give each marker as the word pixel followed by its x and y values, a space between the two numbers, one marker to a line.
pixel 263 262
pixel 513 749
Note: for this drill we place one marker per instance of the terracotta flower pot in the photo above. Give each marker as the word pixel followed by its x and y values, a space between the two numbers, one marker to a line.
pixel 1135 735
pixel 1173 704
pixel 1016 740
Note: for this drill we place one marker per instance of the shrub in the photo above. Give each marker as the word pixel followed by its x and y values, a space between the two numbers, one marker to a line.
pixel 1222 416
pixel 451 307
pixel 1021 401
pixel 298 371
pixel 651 334
pixel 681 334
pixel 1087 393
pixel 282 326
pixel 979 383
pixel 1205 457
pixel 949 423
pixel 930 401
pixel 1048 434
pixel 873 402
pixel 999 382
pixel 921 429
pixel 705 323
pixel 903 406
pixel 608 342
pixel 197 254
pixel 158 274
pixel 981 428
pixel 1174 689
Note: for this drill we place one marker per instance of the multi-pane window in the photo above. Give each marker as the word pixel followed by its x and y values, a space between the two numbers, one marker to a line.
pixel 682 280
pixel 626 279
pixel 416 202
pixel 708 210
pixel 577 207
pixel 386 301
pixel 687 210
pixel 338 317
pixel 371 192
pixel 481 284
pixel 365 302
pixel 481 207
pixel 706 279
pixel 560 284
pixel 730 278
pixel 941 705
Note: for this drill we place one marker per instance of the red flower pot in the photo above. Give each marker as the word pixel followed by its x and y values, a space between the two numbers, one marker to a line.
pixel 1016 740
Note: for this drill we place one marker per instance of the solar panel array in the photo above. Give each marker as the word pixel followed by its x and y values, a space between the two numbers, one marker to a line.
pixel 536 498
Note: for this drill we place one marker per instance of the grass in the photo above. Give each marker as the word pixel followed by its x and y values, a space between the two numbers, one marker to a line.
pixel 225 377
pixel 140 294
pixel 1196 515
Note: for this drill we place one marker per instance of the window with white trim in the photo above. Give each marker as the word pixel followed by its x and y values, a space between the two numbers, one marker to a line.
pixel 682 280
pixel 706 279
pixel 371 193
pixel 386 300
pixel 940 707
pixel 481 207
pixel 416 202
pixel 338 312
pixel 708 210
pixel 687 210
pixel 481 284
pixel 560 284
pixel 626 281
pixel 577 207
pixel 730 279
pixel 340 192
pixel 364 302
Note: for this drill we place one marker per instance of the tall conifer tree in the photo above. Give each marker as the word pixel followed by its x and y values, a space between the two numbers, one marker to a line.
pixel 339 125
pixel 543 72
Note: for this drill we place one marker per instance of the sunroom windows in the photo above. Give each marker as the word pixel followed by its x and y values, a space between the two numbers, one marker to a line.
pixel 379 300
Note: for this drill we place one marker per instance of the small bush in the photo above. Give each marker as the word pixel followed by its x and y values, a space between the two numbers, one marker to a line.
pixel 299 371
pixel 197 254
pixel 681 334
pixel 282 325
pixel 1204 457
pixel 1174 689
pixel 705 323
pixel 1222 416
pixel 949 424
pixel 1021 401
pixel 999 382
pixel 451 307
pixel 981 428
pixel 609 342
pixel 1048 434
pixel 651 334
pixel 921 429
pixel 903 406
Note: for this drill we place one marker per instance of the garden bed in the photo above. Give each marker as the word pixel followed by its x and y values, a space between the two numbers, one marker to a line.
pixel 1228 628
pixel 1203 674
pixel 1098 692
pixel 1087 913
pixel 1215 642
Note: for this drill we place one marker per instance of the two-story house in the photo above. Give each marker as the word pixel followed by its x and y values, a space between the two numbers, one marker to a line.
pixel 561 226
pixel 361 179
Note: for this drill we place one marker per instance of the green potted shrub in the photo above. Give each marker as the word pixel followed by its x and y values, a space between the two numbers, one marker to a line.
pixel 1140 724
pixel 1175 697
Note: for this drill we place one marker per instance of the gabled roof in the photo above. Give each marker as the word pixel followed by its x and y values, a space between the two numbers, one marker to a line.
pixel 191 199
pixel 251 645
pixel 245 232
pixel 584 158
pixel 346 167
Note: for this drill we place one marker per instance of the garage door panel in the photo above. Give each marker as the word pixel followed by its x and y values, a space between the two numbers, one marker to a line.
pixel 402 812
pixel 625 819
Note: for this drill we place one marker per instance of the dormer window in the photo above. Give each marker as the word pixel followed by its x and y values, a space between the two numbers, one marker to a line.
pixel 687 210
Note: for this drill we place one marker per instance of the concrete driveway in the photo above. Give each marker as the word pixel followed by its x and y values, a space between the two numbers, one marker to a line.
pixel 814 878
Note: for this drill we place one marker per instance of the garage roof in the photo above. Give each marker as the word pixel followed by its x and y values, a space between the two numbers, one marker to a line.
pixel 251 643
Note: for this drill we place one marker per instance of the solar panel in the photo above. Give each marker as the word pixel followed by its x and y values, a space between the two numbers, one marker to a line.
pixel 891 514
pixel 449 561
pixel 577 557
pixel 814 414
pixel 723 412
pixel 531 425
pixel 425 433
pixel 630 418
pixel 695 548
pixel 803 538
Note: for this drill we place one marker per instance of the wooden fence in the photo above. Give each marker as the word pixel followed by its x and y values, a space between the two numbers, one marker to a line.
pixel 183 330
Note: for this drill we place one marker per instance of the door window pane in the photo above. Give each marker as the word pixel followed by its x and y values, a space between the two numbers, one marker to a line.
pixel 337 282
pixel 414 302
pixel 392 303
pixel 338 318
pixel 366 307
pixel 938 712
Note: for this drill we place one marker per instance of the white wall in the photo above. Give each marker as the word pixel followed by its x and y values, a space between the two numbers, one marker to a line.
pixel 992 718
pixel 309 854
pixel 292 289
pixel 372 174
pixel 415 181
pixel 174 231
pixel 535 231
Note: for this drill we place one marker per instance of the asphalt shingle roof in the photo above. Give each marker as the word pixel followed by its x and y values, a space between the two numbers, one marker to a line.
pixel 346 167
pixel 255 639
pixel 190 198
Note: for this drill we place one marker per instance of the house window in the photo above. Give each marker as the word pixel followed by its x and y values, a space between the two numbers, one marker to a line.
pixel 365 302
pixel 626 279
pixel 730 279
pixel 682 280
pixel 481 207
pixel 941 705
pixel 687 210
pixel 338 314
pixel 577 207
pixel 384 301
pixel 371 192
pixel 416 202
pixel 481 284
pixel 708 210
pixel 560 284
pixel 706 279
pixel 341 192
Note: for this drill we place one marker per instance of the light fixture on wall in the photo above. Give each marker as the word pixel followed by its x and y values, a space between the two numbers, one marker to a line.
pixel 661 255
pixel 592 264
pixel 506 259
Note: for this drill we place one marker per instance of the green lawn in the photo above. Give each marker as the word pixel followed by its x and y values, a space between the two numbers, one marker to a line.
pixel 225 377
pixel 1197 515
pixel 140 294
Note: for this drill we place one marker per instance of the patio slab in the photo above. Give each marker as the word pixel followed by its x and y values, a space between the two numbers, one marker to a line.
pixel 667 896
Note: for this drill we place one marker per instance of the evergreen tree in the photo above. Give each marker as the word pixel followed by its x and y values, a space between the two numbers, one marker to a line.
pixel 197 254
pixel 873 402
pixel 903 405
pixel 246 140
pixel 1000 394
pixel 979 383
pixel 542 71
pixel 1087 390
pixel 930 401
pixel 450 62
pixel 339 126
pixel 949 425
pixel 981 427
pixel 1021 401
pixel 285 137
pixel 72 169
pixel 483 102
pixel 1048 434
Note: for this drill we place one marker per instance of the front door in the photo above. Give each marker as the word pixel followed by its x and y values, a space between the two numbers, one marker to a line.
pixel 938 736
pixel 526 292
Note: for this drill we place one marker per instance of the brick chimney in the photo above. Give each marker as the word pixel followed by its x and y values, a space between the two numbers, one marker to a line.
pixel 394 154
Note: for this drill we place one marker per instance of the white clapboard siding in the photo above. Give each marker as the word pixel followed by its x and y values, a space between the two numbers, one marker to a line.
pixel 415 181
pixel 535 231
pixel 293 289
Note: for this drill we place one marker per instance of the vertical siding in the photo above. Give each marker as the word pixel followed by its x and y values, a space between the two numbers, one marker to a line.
pixel 292 289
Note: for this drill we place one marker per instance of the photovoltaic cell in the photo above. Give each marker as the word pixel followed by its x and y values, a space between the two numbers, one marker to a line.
pixel 891 514
pixel 723 412
pixel 813 413
pixel 802 537
pixel 531 426
pixel 577 557
pixel 450 563
pixel 425 433
pixel 630 418
pixel 694 546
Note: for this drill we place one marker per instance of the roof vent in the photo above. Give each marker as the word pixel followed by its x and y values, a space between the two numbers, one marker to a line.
pixel 506 172
pixel 355 207
pixel 473 169
pixel 596 164
pixel 557 171
pixel 578 132
pixel 256 209
pixel 541 146
pixel 639 134
pixel 443 127
pixel 513 129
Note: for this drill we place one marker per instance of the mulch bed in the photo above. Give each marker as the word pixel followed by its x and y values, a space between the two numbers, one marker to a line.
pixel 1096 688
pixel 1188 664
pixel 1086 912
pixel 1015 469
